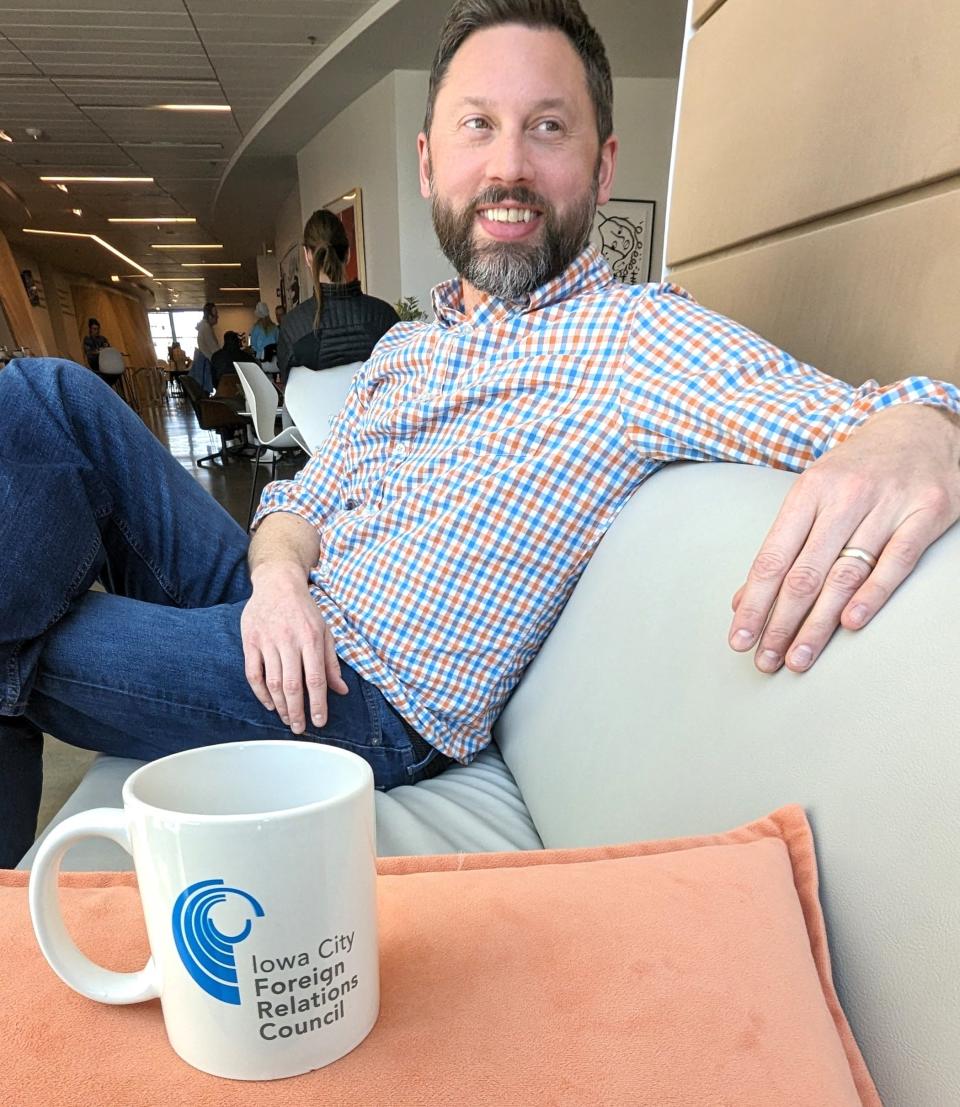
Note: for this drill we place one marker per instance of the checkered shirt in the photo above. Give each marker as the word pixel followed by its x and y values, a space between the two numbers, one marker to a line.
pixel 479 460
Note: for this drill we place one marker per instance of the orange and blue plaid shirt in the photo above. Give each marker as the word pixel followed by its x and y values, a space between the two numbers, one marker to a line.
pixel 479 460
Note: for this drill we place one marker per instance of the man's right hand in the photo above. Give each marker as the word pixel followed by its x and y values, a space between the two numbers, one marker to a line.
pixel 288 649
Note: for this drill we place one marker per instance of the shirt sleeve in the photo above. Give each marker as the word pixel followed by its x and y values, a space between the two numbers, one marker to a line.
pixel 699 387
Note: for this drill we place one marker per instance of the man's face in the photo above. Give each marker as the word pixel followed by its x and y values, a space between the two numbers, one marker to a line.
pixel 513 163
pixel 94 330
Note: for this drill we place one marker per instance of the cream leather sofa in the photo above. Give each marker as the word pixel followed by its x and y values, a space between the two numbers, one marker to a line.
pixel 636 721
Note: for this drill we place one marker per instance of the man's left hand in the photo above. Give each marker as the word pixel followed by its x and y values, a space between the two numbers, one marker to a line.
pixel 890 490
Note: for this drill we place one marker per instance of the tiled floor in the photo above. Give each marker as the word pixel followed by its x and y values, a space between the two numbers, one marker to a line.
pixel 175 424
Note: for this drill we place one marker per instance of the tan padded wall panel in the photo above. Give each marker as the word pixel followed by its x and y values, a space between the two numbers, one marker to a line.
pixel 791 110
pixel 875 296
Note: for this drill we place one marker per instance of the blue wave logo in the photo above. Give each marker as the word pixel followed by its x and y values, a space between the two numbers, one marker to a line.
pixel 206 952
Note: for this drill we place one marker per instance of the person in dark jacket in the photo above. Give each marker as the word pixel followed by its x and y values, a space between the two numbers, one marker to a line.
pixel 222 361
pixel 339 323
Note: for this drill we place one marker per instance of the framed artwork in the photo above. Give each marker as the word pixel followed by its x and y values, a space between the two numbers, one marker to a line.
pixel 290 277
pixel 349 209
pixel 623 230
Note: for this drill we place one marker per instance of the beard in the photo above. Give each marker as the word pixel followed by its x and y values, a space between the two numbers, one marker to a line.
pixel 510 270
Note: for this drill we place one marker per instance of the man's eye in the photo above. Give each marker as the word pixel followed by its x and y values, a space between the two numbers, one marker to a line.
pixel 476 124
pixel 549 126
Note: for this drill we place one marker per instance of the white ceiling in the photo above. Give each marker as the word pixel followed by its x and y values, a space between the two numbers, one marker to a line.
pixel 86 72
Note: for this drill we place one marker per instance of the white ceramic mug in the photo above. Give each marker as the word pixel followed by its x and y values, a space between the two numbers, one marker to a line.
pixel 256 867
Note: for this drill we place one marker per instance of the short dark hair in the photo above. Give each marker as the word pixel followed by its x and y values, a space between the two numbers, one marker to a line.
pixel 208 307
pixel 467 16
pixel 91 322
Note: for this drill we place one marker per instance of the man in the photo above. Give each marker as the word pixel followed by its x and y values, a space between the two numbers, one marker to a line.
pixel 93 343
pixel 416 565
pixel 207 346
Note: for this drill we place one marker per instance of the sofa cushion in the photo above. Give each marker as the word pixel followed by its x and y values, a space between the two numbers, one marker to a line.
pixel 477 807
pixel 684 972
pixel 637 720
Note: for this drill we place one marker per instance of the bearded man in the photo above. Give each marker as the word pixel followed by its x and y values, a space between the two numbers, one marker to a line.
pixel 416 564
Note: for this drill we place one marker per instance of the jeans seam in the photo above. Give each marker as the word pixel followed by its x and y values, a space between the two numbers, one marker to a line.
pixel 14 683
pixel 370 699
pixel 158 576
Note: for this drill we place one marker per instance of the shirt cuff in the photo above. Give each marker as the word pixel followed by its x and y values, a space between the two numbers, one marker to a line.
pixel 870 398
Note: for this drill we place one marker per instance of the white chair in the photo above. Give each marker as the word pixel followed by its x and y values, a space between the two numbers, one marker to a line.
pixel 313 397
pixel 262 402
pixel 111 362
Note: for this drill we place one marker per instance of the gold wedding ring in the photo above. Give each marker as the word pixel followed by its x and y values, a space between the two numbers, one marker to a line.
pixel 862 555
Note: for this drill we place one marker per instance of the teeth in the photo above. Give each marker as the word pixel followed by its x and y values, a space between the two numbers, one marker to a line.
pixel 509 215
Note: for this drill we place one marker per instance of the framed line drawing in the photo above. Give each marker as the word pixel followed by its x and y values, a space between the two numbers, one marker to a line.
pixel 349 210
pixel 623 231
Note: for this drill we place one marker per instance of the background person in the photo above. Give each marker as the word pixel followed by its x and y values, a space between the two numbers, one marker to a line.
pixel 207 345
pixel 177 358
pixel 339 323
pixel 264 332
pixel 93 343
pixel 223 359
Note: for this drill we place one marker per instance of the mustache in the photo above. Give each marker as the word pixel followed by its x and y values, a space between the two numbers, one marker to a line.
pixel 495 195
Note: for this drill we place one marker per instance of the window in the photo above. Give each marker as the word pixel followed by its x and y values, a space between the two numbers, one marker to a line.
pixel 167 327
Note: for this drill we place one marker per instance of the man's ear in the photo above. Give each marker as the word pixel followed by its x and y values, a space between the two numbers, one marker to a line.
pixel 423 157
pixel 608 165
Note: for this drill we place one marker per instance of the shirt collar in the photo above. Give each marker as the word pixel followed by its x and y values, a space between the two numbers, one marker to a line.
pixel 588 272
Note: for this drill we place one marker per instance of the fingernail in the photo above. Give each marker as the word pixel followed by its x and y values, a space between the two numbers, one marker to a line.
pixel 858 615
pixel 317 720
pixel 801 657
pixel 768 661
pixel 743 639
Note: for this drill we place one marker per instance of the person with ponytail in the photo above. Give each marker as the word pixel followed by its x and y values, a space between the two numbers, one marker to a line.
pixel 339 323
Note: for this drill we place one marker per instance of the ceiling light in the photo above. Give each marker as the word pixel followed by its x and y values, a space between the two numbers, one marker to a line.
pixel 164 144
pixel 101 180
pixel 94 238
pixel 238 288
pixel 176 280
pixel 114 278
pixel 186 246
pixel 77 212
pixel 4 137
pixel 210 264
pixel 36 133
pixel 189 107
pixel 152 219
pixel 62 187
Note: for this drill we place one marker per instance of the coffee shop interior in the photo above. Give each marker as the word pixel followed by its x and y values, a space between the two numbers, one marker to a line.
pixel 161 156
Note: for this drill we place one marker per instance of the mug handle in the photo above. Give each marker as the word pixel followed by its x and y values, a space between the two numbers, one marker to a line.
pixel 73 967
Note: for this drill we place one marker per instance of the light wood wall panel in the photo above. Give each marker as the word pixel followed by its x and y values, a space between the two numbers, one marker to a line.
pixel 19 311
pixel 792 110
pixel 872 296
pixel 123 321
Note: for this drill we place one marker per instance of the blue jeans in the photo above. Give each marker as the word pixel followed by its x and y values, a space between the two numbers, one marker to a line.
pixel 155 664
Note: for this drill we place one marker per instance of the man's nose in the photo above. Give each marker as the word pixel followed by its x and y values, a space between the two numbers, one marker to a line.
pixel 508 161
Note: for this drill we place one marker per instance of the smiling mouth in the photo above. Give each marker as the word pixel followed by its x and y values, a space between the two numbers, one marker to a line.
pixel 509 215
